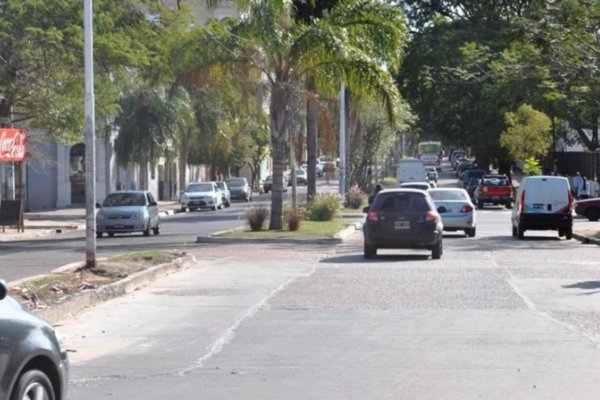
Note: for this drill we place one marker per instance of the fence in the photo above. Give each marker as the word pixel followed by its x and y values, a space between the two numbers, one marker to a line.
pixel 587 163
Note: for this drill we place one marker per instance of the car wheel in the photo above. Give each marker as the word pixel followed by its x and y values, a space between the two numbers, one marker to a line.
pixel 228 204
pixel 569 233
pixel 147 230
pixel 370 251
pixel 480 205
pixel 183 209
pixel 508 205
pixel 214 208
pixel 470 232
pixel 99 234
pixel 33 384
pixel 111 234
pixel 520 232
pixel 514 231
pixel 156 230
pixel 593 214
pixel 436 252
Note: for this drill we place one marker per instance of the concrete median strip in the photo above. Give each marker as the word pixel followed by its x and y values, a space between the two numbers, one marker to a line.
pixel 76 303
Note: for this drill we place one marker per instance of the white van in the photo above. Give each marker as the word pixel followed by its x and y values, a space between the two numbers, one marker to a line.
pixel 543 203
pixel 411 170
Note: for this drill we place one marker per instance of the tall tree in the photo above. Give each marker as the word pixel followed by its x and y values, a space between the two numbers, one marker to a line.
pixel 41 60
pixel 287 52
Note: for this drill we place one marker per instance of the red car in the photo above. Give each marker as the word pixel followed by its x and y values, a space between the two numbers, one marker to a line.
pixel 494 189
pixel 589 208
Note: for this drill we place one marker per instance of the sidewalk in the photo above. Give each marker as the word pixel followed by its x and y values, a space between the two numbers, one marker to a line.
pixel 42 223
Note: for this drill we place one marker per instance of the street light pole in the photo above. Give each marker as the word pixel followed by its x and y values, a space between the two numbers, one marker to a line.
pixel 90 140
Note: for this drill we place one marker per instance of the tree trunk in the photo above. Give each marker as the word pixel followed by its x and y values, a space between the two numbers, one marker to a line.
pixel 312 126
pixel 183 159
pixel 278 127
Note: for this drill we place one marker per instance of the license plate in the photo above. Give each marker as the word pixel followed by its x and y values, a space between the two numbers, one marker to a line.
pixel 401 225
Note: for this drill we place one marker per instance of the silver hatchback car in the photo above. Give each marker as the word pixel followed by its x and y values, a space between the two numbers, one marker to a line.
pixel 128 211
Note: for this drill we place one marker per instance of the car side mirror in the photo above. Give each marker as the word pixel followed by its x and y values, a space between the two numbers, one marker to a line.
pixel 366 210
pixel 3 289
pixel 442 209
pixel 98 205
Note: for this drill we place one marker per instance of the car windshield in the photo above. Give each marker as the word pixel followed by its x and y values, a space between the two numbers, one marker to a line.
pixel 448 195
pixel 199 187
pixel 236 182
pixel 300 172
pixel 124 199
pixel 221 185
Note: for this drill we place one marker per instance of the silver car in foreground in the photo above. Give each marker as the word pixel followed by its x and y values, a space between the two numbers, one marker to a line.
pixel 456 209
pixel 128 211
pixel 33 362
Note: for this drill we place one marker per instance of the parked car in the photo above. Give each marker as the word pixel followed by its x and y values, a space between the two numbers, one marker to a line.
pixel 494 189
pixel 268 184
pixel 416 185
pixel 33 361
pixel 239 188
pixel 225 192
pixel 456 209
pixel 301 177
pixel 589 208
pixel 543 203
pixel 402 219
pixel 202 195
pixel 128 211
pixel 431 173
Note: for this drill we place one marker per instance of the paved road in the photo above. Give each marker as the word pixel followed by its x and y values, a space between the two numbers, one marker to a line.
pixel 495 318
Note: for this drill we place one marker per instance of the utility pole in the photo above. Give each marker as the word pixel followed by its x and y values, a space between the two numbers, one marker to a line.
pixel 90 139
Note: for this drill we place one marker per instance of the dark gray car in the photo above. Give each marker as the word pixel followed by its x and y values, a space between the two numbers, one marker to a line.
pixel 402 219
pixel 33 363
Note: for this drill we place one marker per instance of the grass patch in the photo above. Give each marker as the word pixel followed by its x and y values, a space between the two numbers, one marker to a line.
pixel 153 257
pixel 307 230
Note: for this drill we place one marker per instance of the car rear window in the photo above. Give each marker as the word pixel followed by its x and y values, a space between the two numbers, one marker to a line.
pixel 400 201
pixel 236 182
pixel 495 182
pixel 448 195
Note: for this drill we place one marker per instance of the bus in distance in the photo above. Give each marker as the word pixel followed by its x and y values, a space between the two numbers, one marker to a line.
pixel 430 153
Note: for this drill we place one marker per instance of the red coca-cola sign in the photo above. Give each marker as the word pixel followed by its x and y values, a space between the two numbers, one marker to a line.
pixel 13 145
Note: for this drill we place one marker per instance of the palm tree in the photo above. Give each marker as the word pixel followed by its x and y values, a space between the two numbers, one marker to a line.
pixel 358 42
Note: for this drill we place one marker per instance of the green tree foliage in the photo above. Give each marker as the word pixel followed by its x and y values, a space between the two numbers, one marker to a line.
pixel 358 42
pixel 41 61
pixel 527 134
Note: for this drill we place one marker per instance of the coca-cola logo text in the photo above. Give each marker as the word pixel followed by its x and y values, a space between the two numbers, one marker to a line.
pixel 12 145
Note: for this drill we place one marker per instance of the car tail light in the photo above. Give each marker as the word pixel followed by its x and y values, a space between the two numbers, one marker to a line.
pixel 485 189
pixel 432 216
pixel 373 216
pixel 466 209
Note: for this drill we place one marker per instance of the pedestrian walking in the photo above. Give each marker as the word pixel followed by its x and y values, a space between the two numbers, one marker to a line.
pixel 378 188
pixel 576 182
pixel 583 190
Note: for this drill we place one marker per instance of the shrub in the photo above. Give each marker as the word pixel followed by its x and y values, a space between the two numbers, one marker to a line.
pixel 532 167
pixel 256 216
pixel 292 218
pixel 324 207
pixel 355 198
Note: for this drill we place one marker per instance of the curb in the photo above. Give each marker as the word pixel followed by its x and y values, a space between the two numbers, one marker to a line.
pixel 75 304
pixel 586 239
pixel 336 239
